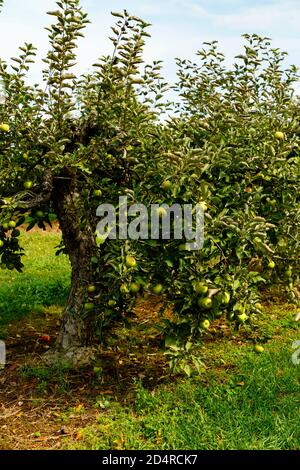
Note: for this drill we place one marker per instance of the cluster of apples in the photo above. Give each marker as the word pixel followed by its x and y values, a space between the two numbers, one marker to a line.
pixel 10 225
pixel 135 287
pixel 125 288
pixel 206 300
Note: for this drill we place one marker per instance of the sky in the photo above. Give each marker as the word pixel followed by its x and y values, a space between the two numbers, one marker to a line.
pixel 179 28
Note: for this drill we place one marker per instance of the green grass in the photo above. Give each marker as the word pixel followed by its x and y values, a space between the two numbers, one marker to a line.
pixel 44 281
pixel 243 400
pixel 47 375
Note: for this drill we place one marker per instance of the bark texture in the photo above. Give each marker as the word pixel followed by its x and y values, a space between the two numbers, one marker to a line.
pixel 77 325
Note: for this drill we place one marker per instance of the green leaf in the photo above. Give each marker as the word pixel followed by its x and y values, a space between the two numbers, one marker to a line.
pixel 116 14
pixel 54 13
pixel 187 369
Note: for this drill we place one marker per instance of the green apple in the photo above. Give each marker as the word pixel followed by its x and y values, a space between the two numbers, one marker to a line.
pixel 112 303
pixel 167 185
pixel 89 306
pixel 289 272
pixel 91 288
pixel 279 135
pixel 271 264
pixel 1 243
pixel 124 289
pixel 97 193
pixel 258 305
pixel 205 302
pixel 205 324
pixel 100 240
pixel 12 224
pixel 242 317
pixel 130 262
pixel 204 124
pixel 218 314
pixel 258 348
pixel 157 289
pixel 4 127
pixel 203 205
pixel 134 287
pixel 39 214
pixel 28 184
pixel 201 288
pixel 161 212
pixel 183 247
pixel 5 225
pixel 239 308
pixel 97 370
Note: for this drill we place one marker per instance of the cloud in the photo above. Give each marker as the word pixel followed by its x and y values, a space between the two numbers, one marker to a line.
pixel 278 15
pixel 243 15
pixel 178 28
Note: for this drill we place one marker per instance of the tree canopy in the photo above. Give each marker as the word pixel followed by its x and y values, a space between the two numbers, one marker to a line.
pixel 230 144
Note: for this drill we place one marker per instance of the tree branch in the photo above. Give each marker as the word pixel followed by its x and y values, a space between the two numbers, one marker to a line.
pixel 44 196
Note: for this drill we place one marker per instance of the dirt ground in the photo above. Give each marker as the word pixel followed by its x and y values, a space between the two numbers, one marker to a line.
pixel 40 410
pixel 40 413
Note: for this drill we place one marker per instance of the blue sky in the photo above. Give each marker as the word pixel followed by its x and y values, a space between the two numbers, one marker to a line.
pixel 179 27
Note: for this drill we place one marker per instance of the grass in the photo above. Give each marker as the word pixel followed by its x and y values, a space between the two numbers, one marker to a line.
pixel 44 375
pixel 44 281
pixel 242 399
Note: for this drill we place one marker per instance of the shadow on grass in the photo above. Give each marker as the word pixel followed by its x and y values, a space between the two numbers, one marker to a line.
pixel 19 300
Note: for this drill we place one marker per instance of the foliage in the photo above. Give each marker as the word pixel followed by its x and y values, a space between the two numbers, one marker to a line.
pixel 231 143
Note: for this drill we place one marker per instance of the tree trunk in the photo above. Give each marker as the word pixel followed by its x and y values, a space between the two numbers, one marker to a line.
pixel 77 325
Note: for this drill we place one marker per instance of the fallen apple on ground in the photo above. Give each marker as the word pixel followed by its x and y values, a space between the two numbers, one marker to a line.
pixel 45 338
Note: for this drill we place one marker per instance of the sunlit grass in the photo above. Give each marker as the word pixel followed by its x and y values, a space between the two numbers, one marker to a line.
pixel 244 399
pixel 44 281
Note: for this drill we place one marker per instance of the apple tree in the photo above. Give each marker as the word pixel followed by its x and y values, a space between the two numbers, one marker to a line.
pixel 234 150
pixel 69 146
pixel 230 145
